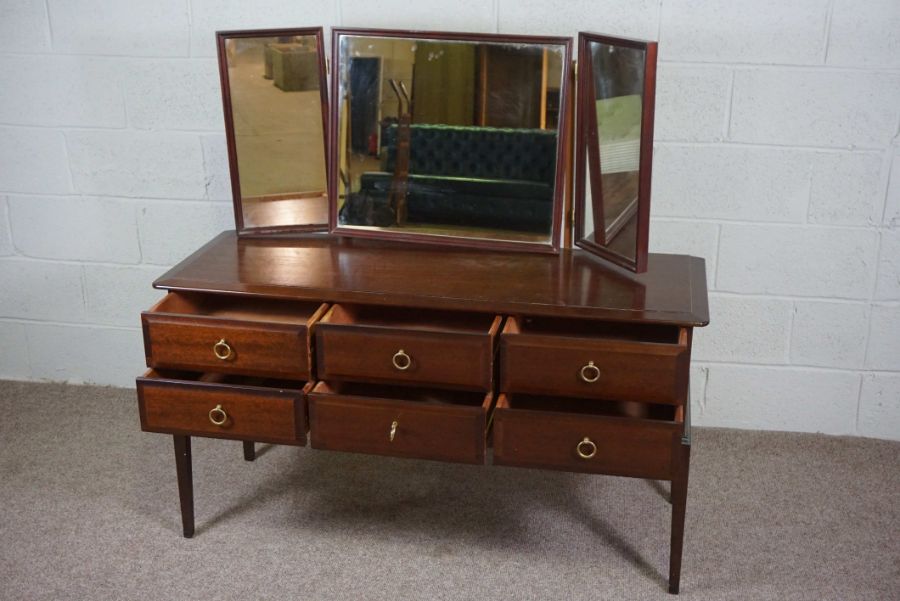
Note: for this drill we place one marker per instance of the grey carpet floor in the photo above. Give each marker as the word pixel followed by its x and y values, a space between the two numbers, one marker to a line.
pixel 89 510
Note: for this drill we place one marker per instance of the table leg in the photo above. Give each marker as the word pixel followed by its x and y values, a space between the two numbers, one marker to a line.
pixel 249 450
pixel 185 482
pixel 679 504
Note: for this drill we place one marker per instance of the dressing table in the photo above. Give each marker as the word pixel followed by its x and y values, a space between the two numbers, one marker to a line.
pixel 549 359
pixel 417 330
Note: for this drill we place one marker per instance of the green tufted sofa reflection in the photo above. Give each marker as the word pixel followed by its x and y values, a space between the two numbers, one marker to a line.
pixel 466 176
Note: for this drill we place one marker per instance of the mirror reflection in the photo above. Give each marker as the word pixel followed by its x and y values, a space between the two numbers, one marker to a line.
pixel 448 137
pixel 611 196
pixel 276 109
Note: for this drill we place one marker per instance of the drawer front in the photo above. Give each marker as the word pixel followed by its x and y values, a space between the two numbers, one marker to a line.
pixel 363 425
pixel 375 355
pixel 618 446
pixel 624 371
pixel 216 346
pixel 245 412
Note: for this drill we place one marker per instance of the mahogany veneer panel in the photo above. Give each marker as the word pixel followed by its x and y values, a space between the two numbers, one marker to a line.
pixel 444 426
pixel 573 283
pixel 256 410
pixel 540 434
pixel 266 338
pixel 443 348
pixel 626 370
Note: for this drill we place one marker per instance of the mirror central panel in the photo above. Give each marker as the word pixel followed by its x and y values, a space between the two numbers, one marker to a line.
pixel 450 140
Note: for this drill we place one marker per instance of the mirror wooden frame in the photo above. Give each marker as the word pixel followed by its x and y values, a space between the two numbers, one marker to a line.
pixel 587 151
pixel 562 151
pixel 221 37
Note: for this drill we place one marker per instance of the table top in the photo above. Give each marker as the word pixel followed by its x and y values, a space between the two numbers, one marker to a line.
pixel 329 268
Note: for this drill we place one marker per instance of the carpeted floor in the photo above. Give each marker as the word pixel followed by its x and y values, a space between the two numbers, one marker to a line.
pixel 90 511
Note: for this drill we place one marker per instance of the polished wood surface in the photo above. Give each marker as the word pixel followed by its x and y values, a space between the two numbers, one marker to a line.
pixel 263 338
pixel 625 370
pixel 443 426
pixel 433 348
pixel 541 435
pixel 681 460
pixel 326 268
pixel 184 471
pixel 466 319
pixel 181 405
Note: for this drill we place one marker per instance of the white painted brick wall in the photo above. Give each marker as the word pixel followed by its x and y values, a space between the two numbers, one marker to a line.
pixel 879 406
pixel 6 247
pixel 829 334
pixel 53 227
pixel 797 260
pixel 34 160
pixel 759 32
pixel 777 160
pixel 888 266
pixel 137 164
pixel 740 396
pixel 884 338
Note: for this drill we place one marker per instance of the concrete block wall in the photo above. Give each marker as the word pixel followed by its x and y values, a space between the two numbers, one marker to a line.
pixel 777 159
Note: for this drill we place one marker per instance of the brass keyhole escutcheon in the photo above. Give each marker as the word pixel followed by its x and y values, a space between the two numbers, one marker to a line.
pixel 401 360
pixel 223 350
pixel 394 425
pixel 218 416
pixel 590 373
pixel 586 448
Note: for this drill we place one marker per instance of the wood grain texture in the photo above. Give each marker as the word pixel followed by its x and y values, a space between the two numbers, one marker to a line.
pixel 633 447
pixel 647 372
pixel 443 432
pixel 271 348
pixel 256 413
pixel 441 355
pixel 330 269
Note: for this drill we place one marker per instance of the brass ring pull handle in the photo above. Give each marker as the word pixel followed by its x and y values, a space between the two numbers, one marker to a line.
pixel 218 416
pixel 223 350
pixel 586 448
pixel 394 429
pixel 590 373
pixel 401 360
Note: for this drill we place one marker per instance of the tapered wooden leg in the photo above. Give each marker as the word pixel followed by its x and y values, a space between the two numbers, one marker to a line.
pixel 679 504
pixel 185 482
pixel 249 450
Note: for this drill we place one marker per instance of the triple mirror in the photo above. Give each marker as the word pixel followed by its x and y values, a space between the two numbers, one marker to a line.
pixel 276 107
pixel 442 138
pixel 450 138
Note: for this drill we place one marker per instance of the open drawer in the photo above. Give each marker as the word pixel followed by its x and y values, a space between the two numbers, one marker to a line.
pixel 622 439
pixel 232 335
pixel 221 406
pixel 628 362
pixel 399 421
pixel 406 346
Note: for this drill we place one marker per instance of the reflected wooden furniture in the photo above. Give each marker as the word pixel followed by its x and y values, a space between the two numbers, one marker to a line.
pixel 554 361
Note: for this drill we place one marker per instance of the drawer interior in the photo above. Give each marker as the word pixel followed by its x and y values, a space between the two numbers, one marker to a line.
pixel 592 407
pixel 412 319
pixel 425 396
pixel 227 379
pixel 223 306
pixel 587 328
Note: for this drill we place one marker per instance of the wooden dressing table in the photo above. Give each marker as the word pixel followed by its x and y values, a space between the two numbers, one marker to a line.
pixel 555 361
